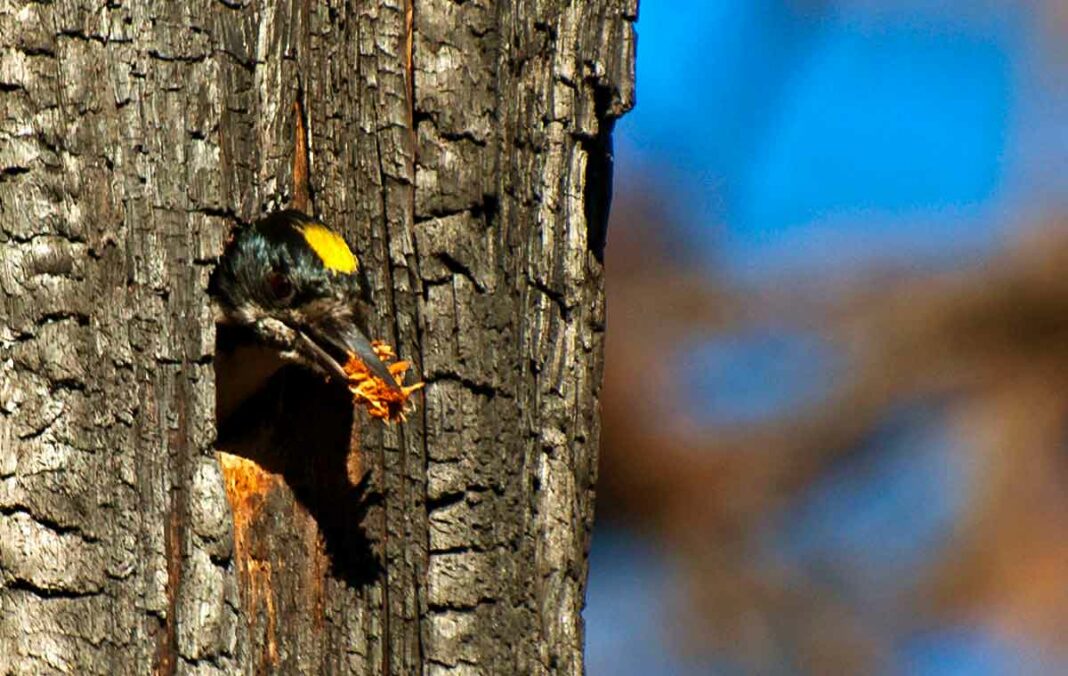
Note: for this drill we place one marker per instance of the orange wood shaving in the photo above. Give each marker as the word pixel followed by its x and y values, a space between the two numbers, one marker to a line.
pixel 381 401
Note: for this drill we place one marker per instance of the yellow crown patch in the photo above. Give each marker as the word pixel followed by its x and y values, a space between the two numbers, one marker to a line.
pixel 330 248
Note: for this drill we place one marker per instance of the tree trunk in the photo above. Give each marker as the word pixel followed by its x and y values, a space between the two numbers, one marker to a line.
pixel 463 148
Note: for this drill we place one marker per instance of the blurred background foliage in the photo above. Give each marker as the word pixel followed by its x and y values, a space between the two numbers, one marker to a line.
pixel 835 417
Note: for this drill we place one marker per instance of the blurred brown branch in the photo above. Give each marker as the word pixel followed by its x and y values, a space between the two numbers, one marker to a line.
pixel 991 343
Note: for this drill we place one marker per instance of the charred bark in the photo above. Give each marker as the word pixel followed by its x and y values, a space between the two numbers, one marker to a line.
pixel 463 148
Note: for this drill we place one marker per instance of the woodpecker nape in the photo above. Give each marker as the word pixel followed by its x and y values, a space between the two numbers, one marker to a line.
pixel 287 291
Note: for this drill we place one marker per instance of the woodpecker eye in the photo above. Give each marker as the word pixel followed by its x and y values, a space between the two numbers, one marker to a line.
pixel 280 287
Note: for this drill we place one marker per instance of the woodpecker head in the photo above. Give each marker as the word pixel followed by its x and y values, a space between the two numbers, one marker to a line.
pixel 286 291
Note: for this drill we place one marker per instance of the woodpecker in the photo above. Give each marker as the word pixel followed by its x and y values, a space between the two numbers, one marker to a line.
pixel 287 291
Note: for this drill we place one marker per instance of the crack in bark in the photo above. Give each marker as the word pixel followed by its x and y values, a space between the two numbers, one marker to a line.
pixel 18 584
pixel 10 173
pixel 555 296
pixel 482 389
pixel 51 524
pixel 455 267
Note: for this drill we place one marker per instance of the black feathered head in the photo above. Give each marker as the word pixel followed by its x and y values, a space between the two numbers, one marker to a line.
pixel 289 282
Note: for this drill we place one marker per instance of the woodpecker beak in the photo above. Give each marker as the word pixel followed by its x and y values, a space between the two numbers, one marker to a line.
pixel 332 344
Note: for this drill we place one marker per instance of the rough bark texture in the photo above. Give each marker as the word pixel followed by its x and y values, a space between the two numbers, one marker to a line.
pixel 463 147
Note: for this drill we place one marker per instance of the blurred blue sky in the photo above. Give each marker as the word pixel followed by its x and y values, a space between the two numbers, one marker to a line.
pixel 806 136
pixel 753 375
pixel 809 137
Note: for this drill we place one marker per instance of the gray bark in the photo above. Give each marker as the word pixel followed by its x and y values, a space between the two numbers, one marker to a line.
pixel 463 149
